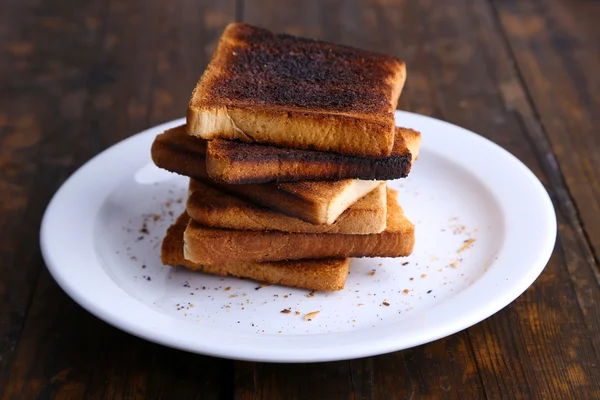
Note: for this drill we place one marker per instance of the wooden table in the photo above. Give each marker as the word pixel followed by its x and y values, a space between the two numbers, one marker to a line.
pixel 78 76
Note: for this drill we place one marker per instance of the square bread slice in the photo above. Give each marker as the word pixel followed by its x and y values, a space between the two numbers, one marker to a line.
pixel 297 93
pixel 319 202
pixel 205 245
pixel 326 274
pixel 214 208
pixel 237 162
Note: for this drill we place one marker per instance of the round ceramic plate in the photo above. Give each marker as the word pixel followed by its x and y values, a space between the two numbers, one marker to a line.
pixel 485 229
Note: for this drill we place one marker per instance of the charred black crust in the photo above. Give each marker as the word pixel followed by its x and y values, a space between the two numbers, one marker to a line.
pixel 253 155
pixel 387 170
pixel 284 70
pixel 171 155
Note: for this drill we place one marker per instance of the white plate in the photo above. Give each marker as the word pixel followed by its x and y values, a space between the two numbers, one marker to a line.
pixel 101 239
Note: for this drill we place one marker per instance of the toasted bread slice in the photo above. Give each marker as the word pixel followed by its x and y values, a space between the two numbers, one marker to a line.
pixel 319 202
pixel 297 93
pixel 238 162
pixel 205 245
pixel 327 274
pixel 216 209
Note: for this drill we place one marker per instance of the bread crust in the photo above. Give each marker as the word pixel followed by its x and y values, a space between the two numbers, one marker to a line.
pixel 319 202
pixel 238 162
pixel 213 208
pixel 325 274
pixel 297 93
pixel 214 246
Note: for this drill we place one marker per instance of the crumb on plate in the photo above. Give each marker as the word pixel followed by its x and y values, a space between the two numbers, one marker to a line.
pixel 309 316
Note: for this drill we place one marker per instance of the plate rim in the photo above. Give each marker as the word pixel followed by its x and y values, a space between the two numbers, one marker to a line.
pixel 345 346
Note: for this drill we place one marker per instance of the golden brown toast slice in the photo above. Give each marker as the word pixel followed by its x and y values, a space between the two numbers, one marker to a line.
pixel 214 208
pixel 205 245
pixel 319 202
pixel 238 162
pixel 326 274
pixel 297 93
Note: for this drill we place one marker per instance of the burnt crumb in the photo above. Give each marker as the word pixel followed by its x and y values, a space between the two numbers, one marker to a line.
pixel 429 291
pixel 144 229
pixel 143 266
pixel 285 311
pixel 139 238
pixel 405 263
pixel 148 278
pixel 262 286
pixel 385 303
pixel 311 294
pixel 186 284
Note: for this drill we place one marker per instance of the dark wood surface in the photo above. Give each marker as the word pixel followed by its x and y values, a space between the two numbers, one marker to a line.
pixel 78 76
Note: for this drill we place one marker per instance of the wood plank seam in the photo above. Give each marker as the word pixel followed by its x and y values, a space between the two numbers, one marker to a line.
pixel 564 202
pixel 471 349
pixel 30 209
pixel 541 145
pixel 239 10
pixel 443 110
pixel 550 164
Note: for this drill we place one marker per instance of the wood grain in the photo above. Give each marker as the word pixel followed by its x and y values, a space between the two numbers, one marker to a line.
pixel 557 51
pixel 579 257
pixel 123 87
pixel 76 77
pixel 40 111
pixel 482 103
pixel 427 371
pixel 444 49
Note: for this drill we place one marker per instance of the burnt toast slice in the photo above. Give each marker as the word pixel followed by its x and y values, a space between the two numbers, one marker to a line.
pixel 326 274
pixel 214 208
pixel 238 162
pixel 298 93
pixel 204 245
pixel 319 202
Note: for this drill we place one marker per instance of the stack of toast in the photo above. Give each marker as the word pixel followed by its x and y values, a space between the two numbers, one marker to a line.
pixel 288 144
